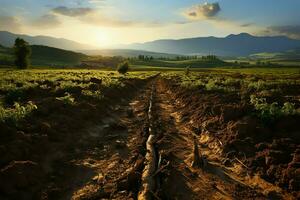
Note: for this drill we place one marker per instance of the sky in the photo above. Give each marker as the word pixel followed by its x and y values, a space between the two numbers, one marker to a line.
pixel 108 23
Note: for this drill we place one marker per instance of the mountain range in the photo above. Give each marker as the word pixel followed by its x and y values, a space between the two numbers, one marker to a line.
pixel 7 39
pixel 242 44
pixel 233 45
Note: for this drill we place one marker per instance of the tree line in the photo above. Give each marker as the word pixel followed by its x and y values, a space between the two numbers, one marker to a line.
pixel 177 58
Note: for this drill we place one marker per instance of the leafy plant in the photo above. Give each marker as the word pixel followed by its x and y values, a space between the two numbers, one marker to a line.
pixel 288 108
pixel 93 94
pixel 67 99
pixel 269 112
pixel 232 82
pixel 259 85
pixel 13 115
pixel 212 85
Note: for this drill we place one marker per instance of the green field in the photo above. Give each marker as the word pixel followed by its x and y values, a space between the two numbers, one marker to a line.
pixel 15 85
pixel 95 116
pixel 20 88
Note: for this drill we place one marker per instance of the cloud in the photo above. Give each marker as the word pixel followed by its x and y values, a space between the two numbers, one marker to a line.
pixel 203 11
pixel 93 16
pixel 90 16
pixel 72 12
pixel 209 13
pixel 10 23
pixel 247 25
pixel 292 31
pixel 47 21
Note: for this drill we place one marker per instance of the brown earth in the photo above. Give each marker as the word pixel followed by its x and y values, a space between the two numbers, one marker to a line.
pixel 264 156
pixel 99 153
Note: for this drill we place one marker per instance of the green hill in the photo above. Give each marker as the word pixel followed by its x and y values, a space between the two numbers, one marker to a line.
pixel 291 57
pixel 6 55
pixel 44 55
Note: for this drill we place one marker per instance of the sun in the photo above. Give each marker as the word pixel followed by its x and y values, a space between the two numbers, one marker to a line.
pixel 102 38
pixel 97 37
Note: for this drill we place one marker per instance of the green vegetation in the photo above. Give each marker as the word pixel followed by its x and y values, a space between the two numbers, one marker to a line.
pixel 272 94
pixel 266 59
pixel 67 99
pixel 22 52
pixel 102 62
pixel 6 56
pixel 269 112
pixel 179 62
pixel 16 113
pixel 44 56
pixel 123 67
pixel 22 92
pixel 291 55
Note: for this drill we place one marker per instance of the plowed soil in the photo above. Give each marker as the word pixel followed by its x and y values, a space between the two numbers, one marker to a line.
pixel 104 158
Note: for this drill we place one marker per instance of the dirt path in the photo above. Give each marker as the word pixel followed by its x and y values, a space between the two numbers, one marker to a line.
pixel 108 162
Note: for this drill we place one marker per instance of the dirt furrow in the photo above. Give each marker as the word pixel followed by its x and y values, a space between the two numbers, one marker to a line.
pixel 148 179
pixel 180 180
pixel 108 160
pixel 144 147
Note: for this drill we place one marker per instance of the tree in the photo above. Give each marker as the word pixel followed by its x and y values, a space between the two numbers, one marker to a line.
pixel 141 57
pixel 22 52
pixel 123 67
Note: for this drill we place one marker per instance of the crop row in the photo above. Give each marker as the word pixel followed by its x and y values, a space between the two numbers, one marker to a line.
pixel 21 90
pixel 271 96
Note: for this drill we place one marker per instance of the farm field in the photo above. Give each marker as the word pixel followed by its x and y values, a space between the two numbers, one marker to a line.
pixel 149 100
pixel 205 134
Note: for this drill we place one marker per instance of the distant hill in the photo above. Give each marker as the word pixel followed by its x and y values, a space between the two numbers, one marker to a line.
pixel 127 53
pixel 286 58
pixel 49 55
pixel 233 45
pixel 293 54
pixel 43 55
pixel 4 49
pixel 7 39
